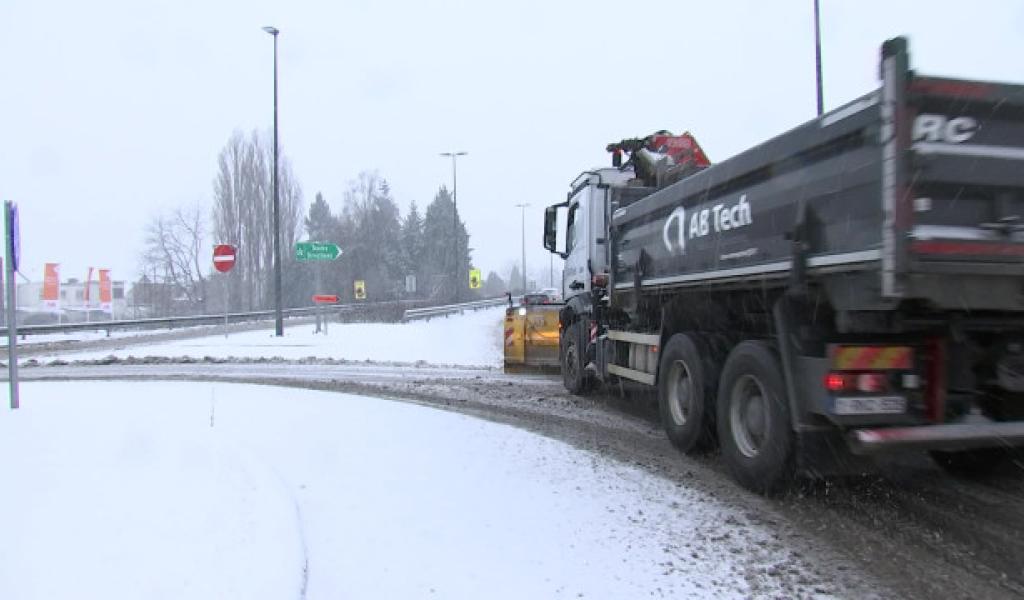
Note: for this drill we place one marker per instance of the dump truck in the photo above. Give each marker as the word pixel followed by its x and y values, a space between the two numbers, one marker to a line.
pixel 850 288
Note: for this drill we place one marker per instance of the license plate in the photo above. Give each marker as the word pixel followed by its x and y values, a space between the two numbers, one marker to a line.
pixel 871 405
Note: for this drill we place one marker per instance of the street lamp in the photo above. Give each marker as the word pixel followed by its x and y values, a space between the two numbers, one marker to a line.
pixel 455 220
pixel 278 318
pixel 523 207
pixel 817 57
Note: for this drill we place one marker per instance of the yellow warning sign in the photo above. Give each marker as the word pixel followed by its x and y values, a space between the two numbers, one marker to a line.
pixel 474 279
pixel 360 287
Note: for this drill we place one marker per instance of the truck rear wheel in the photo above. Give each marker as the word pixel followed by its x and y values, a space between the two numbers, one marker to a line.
pixel 574 377
pixel 683 395
pixel 754 427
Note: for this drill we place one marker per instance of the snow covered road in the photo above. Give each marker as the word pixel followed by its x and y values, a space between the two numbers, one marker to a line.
pixel 203 490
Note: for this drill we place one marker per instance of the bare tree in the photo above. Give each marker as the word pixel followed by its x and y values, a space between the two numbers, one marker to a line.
pixel 291 206
pixel 242 215
pixel 175 244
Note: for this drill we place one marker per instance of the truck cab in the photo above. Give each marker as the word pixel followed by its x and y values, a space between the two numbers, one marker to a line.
pixel 577 229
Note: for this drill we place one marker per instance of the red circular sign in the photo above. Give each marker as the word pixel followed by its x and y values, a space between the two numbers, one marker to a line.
pixel 223 257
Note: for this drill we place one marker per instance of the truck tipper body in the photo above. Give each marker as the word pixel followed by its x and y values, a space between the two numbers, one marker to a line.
pixel 851 287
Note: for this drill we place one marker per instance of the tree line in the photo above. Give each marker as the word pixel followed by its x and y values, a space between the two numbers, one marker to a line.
pixel 416 255
pixel 419 255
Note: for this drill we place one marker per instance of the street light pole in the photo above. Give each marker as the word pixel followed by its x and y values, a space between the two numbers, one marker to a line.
pixel 455 221
pixel 817 58
pixel 523 207
pixel 278 318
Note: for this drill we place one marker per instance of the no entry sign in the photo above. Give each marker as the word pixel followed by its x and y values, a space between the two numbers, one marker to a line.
pixel 223 257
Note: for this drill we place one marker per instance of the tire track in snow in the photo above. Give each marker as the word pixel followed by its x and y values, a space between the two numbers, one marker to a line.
pixel 300 528
pixel 253 461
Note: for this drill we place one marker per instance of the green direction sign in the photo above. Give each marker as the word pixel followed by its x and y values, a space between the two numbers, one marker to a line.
pixel 316 251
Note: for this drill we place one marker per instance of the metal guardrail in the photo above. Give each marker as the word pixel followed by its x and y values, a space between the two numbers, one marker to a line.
pixel 192 321
pixel 438 311
pixel 245 317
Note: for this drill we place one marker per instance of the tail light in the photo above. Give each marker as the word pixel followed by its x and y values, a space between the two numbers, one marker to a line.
pixel 868 383
pixel 836 382
pixel 872 382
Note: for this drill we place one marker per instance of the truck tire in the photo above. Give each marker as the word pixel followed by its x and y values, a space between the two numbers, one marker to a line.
pixel 754 428
pixel 684 396
pixel 574 377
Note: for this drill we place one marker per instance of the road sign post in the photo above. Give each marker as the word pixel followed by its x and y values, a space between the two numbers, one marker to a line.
pixel 321 301
pixel 310 251
pixel 223 257
pixel 224 261
pixel 12 246
pixel 317 252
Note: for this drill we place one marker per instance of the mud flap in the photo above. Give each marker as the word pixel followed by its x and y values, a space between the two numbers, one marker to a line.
pixel 826 454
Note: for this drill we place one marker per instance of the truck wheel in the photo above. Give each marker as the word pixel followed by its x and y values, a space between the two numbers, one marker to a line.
pixel 754 429
pixel 686 410
pixel 574 377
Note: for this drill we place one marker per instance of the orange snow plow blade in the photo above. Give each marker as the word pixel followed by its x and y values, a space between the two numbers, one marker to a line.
pixel 531 338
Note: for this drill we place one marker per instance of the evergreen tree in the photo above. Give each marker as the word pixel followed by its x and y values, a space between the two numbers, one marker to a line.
pixel 320 223
pixel 442 267
pixel 412 243
pixel 370 223
pixel 515 281
pixel 388 229
pixel 494 285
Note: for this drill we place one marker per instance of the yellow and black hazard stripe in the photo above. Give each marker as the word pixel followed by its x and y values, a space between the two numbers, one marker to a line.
pixel 872 358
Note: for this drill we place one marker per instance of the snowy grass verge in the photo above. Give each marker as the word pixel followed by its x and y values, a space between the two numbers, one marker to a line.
pixel 178 490
pixel 471 339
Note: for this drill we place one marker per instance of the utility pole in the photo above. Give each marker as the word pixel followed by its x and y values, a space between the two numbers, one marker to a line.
pixel 278 318
pixel 817 58
pixel 523 207
pixel 11 250
pixel 455 221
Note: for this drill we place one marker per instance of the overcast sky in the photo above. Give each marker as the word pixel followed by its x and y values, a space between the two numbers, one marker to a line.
pixel 111 111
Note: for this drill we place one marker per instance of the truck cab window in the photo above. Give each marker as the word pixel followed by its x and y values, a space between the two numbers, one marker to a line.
pixel 570 237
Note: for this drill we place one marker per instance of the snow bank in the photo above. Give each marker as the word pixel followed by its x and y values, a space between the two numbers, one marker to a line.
pixel 124 490
pixel 470 339
pixel 81 336
pixel 112 495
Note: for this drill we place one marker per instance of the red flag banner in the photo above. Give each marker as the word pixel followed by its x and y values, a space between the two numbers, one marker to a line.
pixel 88 287
pixel 51 287
pixel 106 298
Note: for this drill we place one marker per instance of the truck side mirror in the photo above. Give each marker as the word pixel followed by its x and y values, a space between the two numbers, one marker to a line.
pixel 550 228
pixel 551 241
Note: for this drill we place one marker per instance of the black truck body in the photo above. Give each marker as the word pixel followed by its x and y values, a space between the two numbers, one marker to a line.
pixel 852 286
